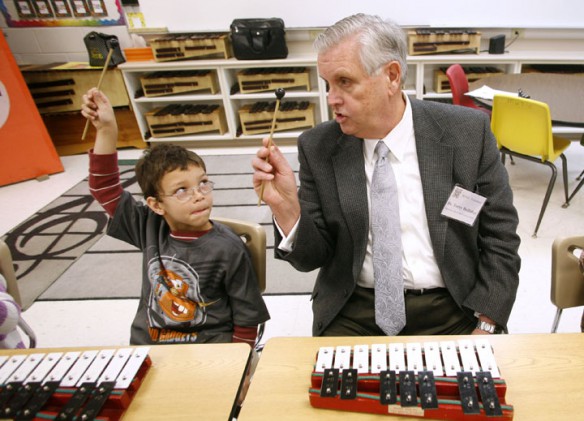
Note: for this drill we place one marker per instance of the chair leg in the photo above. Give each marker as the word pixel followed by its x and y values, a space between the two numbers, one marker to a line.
pixel 580 176
pixel 557 320
pixel 548 193
pixel 578 187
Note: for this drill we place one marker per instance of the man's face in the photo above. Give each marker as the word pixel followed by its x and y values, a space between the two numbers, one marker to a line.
pixel 361 104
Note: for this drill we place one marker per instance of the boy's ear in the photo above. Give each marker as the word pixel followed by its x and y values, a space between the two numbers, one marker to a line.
pixel 154 204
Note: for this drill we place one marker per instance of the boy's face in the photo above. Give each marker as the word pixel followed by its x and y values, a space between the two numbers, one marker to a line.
pixel 191 214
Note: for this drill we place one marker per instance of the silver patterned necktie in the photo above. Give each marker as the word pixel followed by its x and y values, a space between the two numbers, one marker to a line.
pixel 387 246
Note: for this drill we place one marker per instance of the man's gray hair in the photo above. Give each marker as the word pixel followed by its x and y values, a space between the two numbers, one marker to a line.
pixel 382 41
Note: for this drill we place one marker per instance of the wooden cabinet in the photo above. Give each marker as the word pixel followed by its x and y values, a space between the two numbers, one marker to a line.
pixel 57 90
pixel 238 89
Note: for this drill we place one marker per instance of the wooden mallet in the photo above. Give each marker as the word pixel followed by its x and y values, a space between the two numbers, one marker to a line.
pixel 105 66
pixel 280 92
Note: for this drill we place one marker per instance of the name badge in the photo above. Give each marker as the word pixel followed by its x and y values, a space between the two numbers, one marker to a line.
pixel 463 205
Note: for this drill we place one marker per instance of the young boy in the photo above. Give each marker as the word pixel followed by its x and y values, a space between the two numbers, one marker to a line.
pixel 198 282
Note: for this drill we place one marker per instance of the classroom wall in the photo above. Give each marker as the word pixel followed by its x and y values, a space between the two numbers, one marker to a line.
pixel 62 44
pixel 181 15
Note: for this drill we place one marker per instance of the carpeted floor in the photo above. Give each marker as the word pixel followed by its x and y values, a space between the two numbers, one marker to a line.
pixel 61 252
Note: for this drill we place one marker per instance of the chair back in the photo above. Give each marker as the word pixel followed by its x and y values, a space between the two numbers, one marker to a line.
pixel 7 270
pixel 254 237
pixel 459 86
pixel 524 126
pixel 567 288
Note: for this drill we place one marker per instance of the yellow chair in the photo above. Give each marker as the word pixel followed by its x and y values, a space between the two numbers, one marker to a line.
pixel 567 280
pixel 254 237
pixel 7 270
pixel 523 129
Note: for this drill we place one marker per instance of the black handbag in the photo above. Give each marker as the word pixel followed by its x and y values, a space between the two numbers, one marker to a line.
pixel 98 46
pixel 259 39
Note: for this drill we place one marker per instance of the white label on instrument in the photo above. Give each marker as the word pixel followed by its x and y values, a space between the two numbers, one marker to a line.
pixel 44 367
pixel 450 357
pixel 62 367
pixel 115 366
pixel 25 368
pixel 432 355
pixel 9 367
pixel 487 357
pixel 324 359
pixel 342 357
pixel 73 376
pixel 361 358
pixel 468 356
pixel 414 352
pixel 378 358
pixel 131 368
pixel 95 369
pixel 397 359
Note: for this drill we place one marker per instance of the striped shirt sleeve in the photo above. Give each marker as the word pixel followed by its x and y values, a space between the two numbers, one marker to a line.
pixel 104 180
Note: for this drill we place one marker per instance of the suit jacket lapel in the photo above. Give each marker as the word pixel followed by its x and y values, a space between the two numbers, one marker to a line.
pixel 349 168
pixel 435 161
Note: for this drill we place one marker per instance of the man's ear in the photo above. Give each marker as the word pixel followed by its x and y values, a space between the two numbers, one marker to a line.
pixel 154 204
pixel 393 73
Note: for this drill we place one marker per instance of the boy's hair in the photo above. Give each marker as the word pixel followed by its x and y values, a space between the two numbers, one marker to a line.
pixel 160 160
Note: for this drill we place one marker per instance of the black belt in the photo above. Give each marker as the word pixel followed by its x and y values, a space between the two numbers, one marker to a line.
pixel 422 291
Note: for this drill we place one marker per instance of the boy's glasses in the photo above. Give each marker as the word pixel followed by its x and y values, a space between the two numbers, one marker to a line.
pixel 182 195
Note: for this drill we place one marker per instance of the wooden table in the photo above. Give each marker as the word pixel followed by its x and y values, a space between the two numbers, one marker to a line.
pixel 544 375
pixel 185 382
pixel 564 93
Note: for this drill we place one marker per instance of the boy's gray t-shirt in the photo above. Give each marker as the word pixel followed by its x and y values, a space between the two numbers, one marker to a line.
pixel 192 291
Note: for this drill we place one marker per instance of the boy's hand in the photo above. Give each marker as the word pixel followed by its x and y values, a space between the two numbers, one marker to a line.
pixel 97 108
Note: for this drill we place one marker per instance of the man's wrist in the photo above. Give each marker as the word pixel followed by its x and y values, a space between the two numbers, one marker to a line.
pixel 488 327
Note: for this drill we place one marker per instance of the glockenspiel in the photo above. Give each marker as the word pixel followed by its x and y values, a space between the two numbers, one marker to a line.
pixel 89 385
pixel 454 380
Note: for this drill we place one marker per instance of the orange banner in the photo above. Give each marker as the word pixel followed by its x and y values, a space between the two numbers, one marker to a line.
pixel 26 149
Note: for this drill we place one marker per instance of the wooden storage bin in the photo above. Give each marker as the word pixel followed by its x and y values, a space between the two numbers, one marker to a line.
pixel 60 88
pixel 426 41
pixel 183 119
pixel 191 46
pixel 442 85
pixel 257 118
pixel 267 79
pixel 176 82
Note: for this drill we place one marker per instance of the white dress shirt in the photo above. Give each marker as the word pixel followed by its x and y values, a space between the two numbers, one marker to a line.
pixel 420 269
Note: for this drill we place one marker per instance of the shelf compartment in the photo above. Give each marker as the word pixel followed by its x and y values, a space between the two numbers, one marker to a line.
pixel 166 83
pixel 268 79
pixel 257 118
pixel 184 119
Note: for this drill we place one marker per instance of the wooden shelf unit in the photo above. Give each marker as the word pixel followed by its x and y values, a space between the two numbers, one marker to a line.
pixel 419 84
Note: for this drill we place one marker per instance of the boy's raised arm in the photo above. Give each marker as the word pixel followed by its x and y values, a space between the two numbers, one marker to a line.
pixel 97 108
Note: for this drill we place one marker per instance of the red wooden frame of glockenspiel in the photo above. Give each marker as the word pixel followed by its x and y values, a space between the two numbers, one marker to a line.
pixel 368 399
pixel 113 409
pixel 125 378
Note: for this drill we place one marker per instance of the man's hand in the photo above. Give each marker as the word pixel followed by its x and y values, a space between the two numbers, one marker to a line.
pixel 280 191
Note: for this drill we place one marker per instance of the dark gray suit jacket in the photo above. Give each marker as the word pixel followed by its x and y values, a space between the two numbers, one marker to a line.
pixel 479 264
